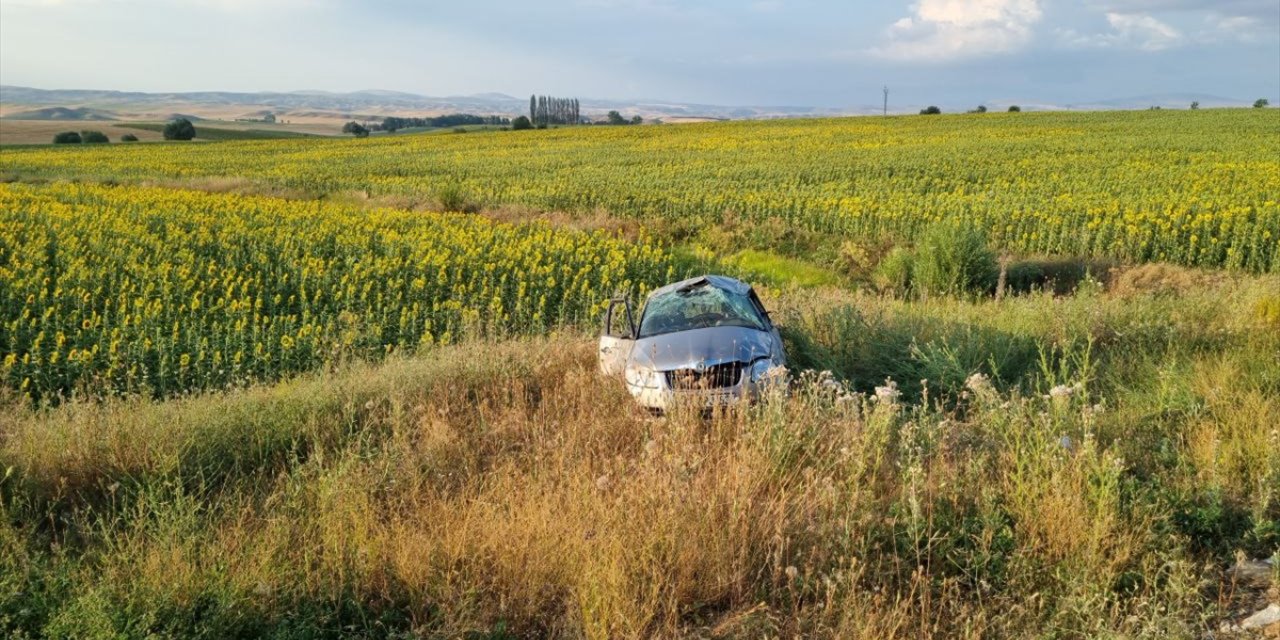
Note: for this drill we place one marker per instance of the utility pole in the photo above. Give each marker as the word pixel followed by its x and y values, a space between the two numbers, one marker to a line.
pixel 886 100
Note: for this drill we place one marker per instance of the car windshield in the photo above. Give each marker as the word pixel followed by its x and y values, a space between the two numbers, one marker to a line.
pixel 698 307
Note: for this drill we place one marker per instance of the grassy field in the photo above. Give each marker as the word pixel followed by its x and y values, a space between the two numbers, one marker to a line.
pixel 337 411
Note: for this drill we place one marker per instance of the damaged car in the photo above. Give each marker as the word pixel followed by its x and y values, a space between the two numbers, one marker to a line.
pixel 706 340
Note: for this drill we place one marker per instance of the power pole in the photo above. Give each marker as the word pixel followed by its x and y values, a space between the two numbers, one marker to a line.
pixel 886 100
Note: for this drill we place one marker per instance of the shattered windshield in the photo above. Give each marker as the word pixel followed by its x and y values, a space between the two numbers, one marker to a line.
pixel 698 307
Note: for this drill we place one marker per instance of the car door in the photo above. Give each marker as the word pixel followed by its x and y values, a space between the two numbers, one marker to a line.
pixel 617 338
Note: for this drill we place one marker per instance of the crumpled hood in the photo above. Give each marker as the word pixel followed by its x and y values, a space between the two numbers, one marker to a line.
pixel 710 346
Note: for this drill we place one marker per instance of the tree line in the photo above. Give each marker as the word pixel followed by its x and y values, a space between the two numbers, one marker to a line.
pixel 395 123
pixel 547 110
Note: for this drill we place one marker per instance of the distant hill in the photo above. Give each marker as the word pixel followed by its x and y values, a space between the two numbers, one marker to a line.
pixel 372 104
pixel 62 113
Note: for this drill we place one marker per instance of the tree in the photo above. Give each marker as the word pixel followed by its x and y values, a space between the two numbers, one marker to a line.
pixel 179 129
pixel 1015 109
pixel 637 120
pixel 521 124
pixel 128 137
pixel 94 137
pixel 930 111
pixel 1195 105
pixel 270 117
pixel 1261 103
pixel 67 137
pixel 356 129
pixel 982 108
pixel 614 117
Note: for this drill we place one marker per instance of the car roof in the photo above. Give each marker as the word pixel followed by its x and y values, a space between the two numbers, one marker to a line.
pixel 732 285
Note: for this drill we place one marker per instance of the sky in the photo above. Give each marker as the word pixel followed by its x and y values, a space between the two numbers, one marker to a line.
pixel 825 53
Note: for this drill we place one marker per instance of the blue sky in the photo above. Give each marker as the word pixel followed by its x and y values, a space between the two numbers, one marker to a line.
pixel 752 52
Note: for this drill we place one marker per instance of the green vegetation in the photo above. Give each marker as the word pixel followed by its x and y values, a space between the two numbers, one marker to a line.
pixel 356 129
pixel 232 415
pixel 1116 449
pixel 179 129
pixel 67 137
pixel 94 137
pixel 223 134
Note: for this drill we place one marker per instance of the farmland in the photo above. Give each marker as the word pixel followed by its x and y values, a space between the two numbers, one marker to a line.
pixel 1196 189
pixel 346 388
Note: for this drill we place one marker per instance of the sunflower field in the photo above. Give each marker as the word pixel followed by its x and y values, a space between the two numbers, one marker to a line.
pixel 1196 188
pixel 107 290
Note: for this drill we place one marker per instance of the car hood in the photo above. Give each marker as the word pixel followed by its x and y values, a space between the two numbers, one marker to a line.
pixel 710 346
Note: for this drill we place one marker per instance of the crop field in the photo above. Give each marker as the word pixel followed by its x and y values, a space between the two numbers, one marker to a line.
pixel 116 290
pixel 1197 189
pixel 340 388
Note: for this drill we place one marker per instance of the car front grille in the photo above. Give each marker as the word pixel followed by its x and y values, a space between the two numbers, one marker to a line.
pixel 719 376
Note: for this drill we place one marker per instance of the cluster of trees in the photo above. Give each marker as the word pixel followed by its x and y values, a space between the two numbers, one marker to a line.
pixel 392 123
pixel 89 137
pixel 982 108
pixel 356 129
pixel 616 118
pixel 86 137
pixel 546 110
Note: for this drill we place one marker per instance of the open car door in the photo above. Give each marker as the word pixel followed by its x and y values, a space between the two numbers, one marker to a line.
pixel 617 338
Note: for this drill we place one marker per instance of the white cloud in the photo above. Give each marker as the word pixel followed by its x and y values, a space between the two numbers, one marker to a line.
pixel 950 29
pixel 1144 31
pixel 1130 31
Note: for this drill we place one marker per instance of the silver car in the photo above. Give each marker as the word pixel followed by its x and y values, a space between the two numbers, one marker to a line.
pixel 707 340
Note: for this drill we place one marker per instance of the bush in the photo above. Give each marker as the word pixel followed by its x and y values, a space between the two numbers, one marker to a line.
pixel 930 111
pixel 1261 103
pixel 521 124
pixel 128 137
pixel 94 137
pixel 356 129
pixel 894 273
pixel 67 137
pixel 453 197
pixel 1015 109
pixel 953 259
pixel 179 129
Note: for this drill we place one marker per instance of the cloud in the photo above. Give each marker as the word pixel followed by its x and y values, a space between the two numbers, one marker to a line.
pixel 941 30
pixel 1142 31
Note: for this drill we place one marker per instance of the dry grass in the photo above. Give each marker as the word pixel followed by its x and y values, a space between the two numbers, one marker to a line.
pixel 506 488
pixel 42 131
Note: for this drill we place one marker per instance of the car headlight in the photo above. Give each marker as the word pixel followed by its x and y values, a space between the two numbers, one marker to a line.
pixel 760 369
pixel 641 377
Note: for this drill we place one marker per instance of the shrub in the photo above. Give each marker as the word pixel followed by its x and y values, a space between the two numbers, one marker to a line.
pixel 1261 103
pixel 453 197
pixel 179 129
pixel 356 129
pixel 1015 109
pixel 521 124
pixel 94 137
pixel 67 137
pixel 128 137
pixel 953 258
pixel 894 273
pixel 930 111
